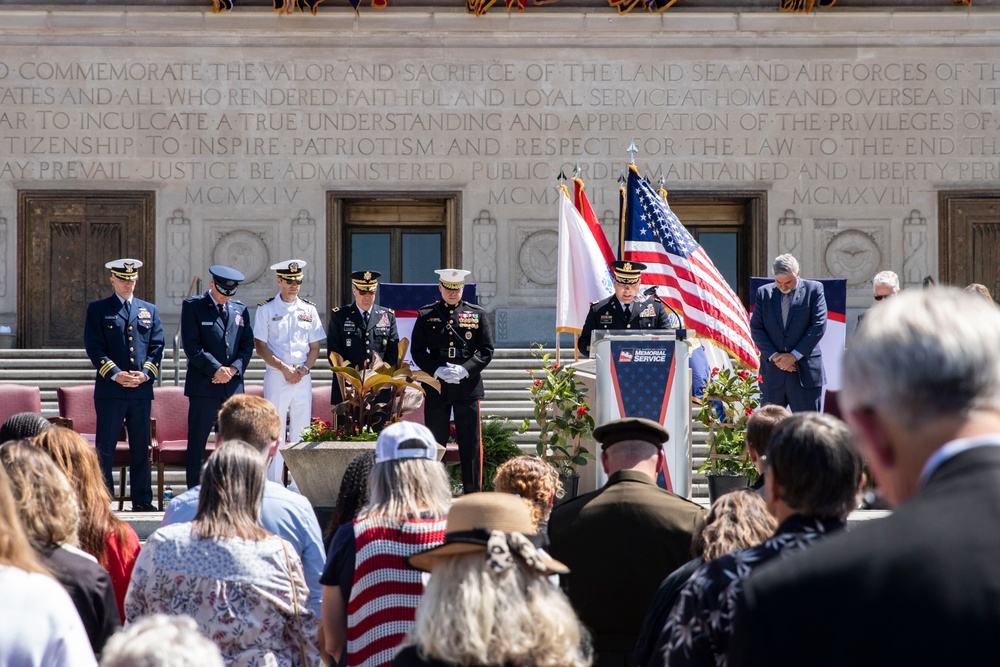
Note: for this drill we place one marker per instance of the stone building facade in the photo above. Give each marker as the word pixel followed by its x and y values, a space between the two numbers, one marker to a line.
pixel 859 140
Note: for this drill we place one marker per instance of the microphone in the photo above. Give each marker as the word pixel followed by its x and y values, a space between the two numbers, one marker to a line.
pixel 681 331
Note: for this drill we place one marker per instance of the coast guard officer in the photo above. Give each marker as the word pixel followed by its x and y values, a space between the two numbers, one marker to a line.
pixel 362 332
pixel 626 308
pixel 288 335
pixel 452 342
pixel 123 337
pixel 218 342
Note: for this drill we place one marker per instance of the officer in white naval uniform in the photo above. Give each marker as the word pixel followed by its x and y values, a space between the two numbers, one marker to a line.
pixel 288 334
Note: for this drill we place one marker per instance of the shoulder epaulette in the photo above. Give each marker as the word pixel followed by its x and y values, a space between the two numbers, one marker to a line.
pixel 308 301
pixel 266 301
pixel 391 310
pixel 594 303
pixel 335 310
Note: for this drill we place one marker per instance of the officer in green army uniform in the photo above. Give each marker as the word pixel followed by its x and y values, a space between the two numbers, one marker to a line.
pixel 452 342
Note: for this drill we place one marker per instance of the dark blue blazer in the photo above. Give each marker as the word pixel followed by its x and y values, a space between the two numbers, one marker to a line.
pixel 210 345
pixel 806 324
pixel 115 343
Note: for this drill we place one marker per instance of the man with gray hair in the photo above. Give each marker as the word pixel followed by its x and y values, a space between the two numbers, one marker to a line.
pixel 788 321
pixel 621 540
pixel 922 393
pixel 885 284
pixel 161 641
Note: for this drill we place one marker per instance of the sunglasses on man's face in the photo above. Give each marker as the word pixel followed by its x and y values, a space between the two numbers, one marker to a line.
pixel 879 297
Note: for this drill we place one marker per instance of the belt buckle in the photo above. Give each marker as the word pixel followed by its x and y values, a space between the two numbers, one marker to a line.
pixel 452 353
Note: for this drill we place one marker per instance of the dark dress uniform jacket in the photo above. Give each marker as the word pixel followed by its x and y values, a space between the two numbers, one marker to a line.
pixel 919 587
pixel 348 336
pixel 607 313
pixel 465 331
pixel 619 542
pixel 116 342
pixel 211 344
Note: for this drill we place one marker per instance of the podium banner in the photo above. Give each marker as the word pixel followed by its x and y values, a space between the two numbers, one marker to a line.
pixel 646 375
pixel 642 374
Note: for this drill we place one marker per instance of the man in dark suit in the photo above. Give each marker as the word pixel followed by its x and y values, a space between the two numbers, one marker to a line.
pixel 362 331
pixel 218 343
pixel 788 321
pixel 920 587
pixel 627 308
pixel 123 337
pixel 452 342
pixel 623 539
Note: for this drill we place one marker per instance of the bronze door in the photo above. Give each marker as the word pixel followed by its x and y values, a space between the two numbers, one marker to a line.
pixel 64 240
pixel 970 239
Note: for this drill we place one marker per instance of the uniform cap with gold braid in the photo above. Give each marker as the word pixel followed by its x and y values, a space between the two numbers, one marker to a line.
pixel 365 281
pixel 627 273
pixel 125 269
pixel 452 278
pixel 290 270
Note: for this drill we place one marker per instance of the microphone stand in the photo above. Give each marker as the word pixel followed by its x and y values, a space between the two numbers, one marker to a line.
pixel 681 331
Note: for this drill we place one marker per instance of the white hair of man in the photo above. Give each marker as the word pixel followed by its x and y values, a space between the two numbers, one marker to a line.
pixel 923 355
pixel 785 265
pixel 161 641
pixel 887 278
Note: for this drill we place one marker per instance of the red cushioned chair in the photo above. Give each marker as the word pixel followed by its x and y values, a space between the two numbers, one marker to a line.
pixel 170 433
pixel 15 398
pixel 76 405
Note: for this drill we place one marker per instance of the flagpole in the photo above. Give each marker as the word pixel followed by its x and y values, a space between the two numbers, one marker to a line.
pixel 562 186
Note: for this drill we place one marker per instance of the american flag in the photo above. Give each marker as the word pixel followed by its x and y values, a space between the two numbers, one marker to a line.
pixel 690 282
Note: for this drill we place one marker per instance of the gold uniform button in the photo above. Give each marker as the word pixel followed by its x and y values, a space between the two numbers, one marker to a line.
pixel 130 328
pixel 131 349
pixel 130 338
pixel 131 359
pixel 451 344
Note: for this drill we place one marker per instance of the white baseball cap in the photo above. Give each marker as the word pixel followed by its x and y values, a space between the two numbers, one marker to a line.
pixel 405 440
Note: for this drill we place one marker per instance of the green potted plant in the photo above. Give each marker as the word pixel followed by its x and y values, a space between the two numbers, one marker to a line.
pixel 320 457
pixel 563 418
pixel 498 446
pixel 730 398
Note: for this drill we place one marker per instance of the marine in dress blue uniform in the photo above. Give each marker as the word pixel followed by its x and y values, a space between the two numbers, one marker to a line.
pixel 627 308
pixel 218 343
pixel 123 337
pixel 362 331
pixel 452 341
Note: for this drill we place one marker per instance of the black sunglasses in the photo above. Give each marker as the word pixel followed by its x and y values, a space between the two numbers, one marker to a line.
pixel 879 297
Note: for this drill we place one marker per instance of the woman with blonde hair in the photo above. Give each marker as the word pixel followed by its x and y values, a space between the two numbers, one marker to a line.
pixel 369 593
pixel 242 585
pixel 103 535
pixel 39 626
pixel 489 602
pixel 44 499
pixel 534 480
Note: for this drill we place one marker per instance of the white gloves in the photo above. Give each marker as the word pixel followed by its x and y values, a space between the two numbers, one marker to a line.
pixel 451 373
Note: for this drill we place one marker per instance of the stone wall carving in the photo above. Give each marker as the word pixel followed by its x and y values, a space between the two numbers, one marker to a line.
pixel 537 258
pixel 304 237
pixel 914 248
pixel 484 257
pixel 3 253
pixel 178 256
pixel 250 249
pixel 790 234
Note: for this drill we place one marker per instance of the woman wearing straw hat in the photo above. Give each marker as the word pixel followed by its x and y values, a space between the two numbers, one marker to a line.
pixel 489 601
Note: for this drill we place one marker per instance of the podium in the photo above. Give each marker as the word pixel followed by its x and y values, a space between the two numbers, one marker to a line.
pixel 646 375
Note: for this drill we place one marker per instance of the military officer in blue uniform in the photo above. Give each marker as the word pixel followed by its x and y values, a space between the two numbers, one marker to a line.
pixel 362 332
pixel 123 337
pixel 218 343
pixel 452 342
pixel 626 308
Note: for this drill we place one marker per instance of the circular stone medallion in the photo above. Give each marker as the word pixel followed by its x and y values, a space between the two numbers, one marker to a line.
pixel 243 251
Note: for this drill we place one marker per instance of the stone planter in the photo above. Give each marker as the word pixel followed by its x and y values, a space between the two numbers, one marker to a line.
pixel 318 467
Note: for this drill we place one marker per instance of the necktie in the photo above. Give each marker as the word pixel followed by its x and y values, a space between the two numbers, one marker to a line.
pixel 786 304
pixel 364 316
pixel 223 315
pixel 128 309
pixel 628 313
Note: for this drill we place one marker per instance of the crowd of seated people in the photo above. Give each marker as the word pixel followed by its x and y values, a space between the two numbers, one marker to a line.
pixel 629 574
